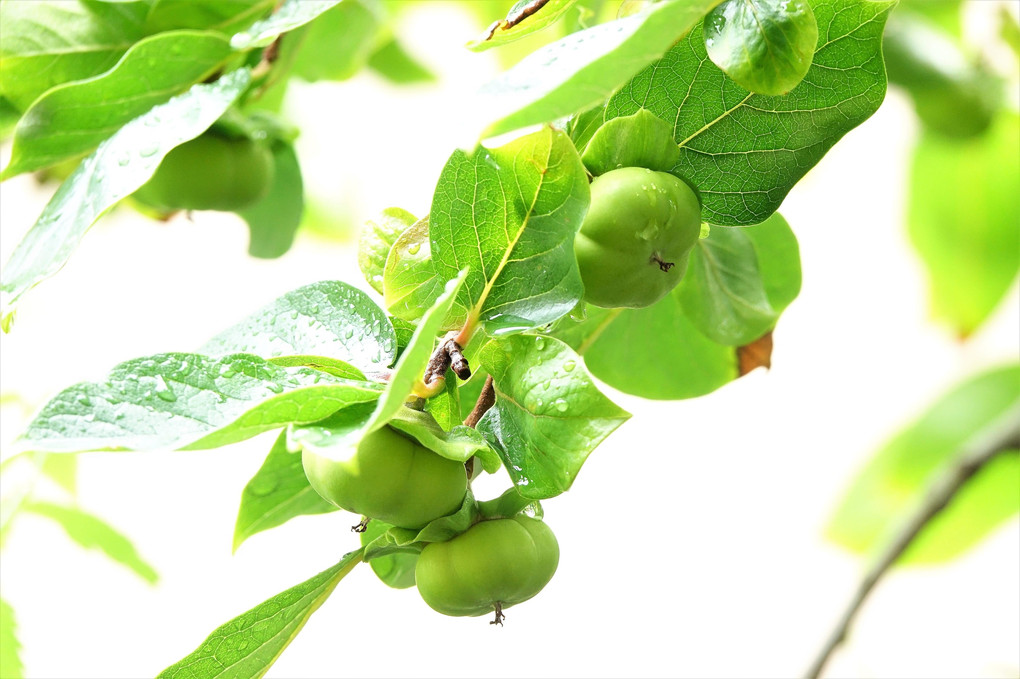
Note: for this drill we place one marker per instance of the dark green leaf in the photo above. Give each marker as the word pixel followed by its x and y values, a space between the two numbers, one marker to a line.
pixel 523 19
pixel 510 214
pixel 11 666
pixel 377 238
pixel 188 401
pixel 91 532
pixel 898 476
pixel 765 46
pixel 745 151
pixel 222 16
pixel 289 15
pixel 654 352
pixel 396 570
pixel 640 140
pixel 329 318
pixel 51 43
pixel 277 493
pixel 391 61
pixel 584 68
pixel 71 119
pixel 549 415
pixel 115 170
pixel 274 220
pixel 339 42
pixel 9 116
pixel 963 212
pixel 248 645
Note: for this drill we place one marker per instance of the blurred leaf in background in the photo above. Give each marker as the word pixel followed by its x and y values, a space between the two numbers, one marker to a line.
pixel 896 479
pixel 10 660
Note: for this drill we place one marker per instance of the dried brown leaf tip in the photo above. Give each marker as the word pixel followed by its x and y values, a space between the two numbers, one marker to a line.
pixel 757 354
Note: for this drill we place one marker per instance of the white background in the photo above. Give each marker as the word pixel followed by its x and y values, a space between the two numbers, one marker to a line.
pixel 691 542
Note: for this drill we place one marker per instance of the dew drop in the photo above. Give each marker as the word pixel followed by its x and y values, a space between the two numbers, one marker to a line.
pixel 413 248
pixel 539 343
pixel 568 366
pixel 561 405
pixel 274 387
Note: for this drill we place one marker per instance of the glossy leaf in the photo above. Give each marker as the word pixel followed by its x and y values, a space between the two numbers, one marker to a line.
pixel 339 42
pixel 523 19
pixel 72 119
pixel 329 318
pixel 778 259
pixel 584 68
pixel 114 171
pixel 396 570
pixel 410 284
pixel 640 140
pixel 289 15
pixel 655 352
pixel 460 443
pixel 377 238
pixel 50 43
pixel 11 666
pixel 963 212
pixel 509 215
pixel 222 16
pixel 724 290
pixel 274 220
pixel 765 46
pixel 898 476
pixel 91 532
pixel 171 401
pixel 277 493
pixel 745 151
pixel 549 415
pixel 248 645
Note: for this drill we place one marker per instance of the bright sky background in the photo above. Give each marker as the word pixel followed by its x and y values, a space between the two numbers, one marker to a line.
pixel 691 543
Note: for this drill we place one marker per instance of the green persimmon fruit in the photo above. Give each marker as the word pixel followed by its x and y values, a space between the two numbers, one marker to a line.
pixel 489 567
pixel 390 477
pixel 210 172
pixel 635 241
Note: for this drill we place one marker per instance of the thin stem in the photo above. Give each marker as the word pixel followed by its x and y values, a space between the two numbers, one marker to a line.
pixel 1003 435
pixel 486 399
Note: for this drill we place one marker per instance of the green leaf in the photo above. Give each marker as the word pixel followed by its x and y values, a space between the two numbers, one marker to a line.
pixel 445 406
pixel 510 215
pixel 640 140
pixel 9 116
pixel 274 220
pixel 329 319
pixel 392 62
pixel 396 570
pixel 324 363
pixel 289 15
pixel 61 469
pixel 584 68
pixel 222 16
pixel 765 46
pixel 523 19
pixel 898 476
pixel 339 42
pixel 377 238
pixel 51 43
pixel 549 415
pixel 410 284
pixel 460 443
pixel 277 493
pixel 171 401
pixel 778 259
pixel 509 504
pixel 248 645
pixel 962 214
pixel 724 290
pixel 745 151
pixel 408 541
pixel 115 170
pixel 655 352
pixel 71 119
pixel 91 532
pixel 11 666
pixel 953 94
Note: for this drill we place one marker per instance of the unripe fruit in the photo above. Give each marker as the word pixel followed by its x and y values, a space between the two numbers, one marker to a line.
pixel 392 478
pixel 633 246
pixel 490 567
pixel 210 172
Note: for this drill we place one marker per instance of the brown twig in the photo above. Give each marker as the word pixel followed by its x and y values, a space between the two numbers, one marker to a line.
pixel 486 399
pixel 1003 435
pixel 449 354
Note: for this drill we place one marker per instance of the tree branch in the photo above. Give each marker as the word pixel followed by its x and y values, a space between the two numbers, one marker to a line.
pixel 1003 434
pixel 486 399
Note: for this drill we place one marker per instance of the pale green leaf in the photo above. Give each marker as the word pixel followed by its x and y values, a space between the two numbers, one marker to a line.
pixel 377 238
pixel 523 19
pixel 339 42
pixel 274 220
pixel 410 284
pixel 289 15
pixel 11 666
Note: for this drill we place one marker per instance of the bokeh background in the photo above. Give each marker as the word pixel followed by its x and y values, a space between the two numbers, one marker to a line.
pixel 692 542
